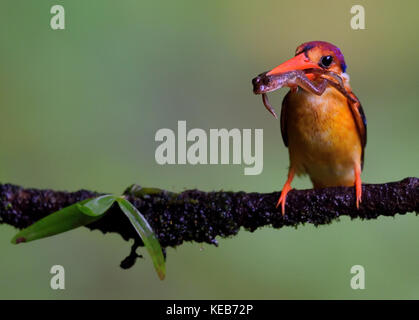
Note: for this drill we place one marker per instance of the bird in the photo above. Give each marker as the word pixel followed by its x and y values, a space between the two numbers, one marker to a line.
pixel 322 123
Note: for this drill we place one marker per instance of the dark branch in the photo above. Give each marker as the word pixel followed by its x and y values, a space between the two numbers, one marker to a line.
pixel 199 216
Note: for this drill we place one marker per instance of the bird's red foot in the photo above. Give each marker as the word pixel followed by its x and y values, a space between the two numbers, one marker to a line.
pixel 283 198
pixel 285 189
pixel 358 186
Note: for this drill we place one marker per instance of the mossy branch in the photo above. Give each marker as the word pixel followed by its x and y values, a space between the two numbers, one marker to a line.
pixel 200 216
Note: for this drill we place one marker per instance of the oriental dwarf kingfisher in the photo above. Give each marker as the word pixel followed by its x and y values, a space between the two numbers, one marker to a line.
pixel 325 133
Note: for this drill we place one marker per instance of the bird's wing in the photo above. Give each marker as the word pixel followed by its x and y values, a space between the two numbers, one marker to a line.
pixel 360 121
pixel 283 119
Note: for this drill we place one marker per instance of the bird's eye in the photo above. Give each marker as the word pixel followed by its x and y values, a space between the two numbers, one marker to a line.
pixel 326 61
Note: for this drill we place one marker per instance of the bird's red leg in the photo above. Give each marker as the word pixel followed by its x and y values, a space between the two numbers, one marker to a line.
pixel 358 185
pixel 285 189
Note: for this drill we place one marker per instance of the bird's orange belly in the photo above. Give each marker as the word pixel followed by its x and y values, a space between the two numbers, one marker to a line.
pixel 323 139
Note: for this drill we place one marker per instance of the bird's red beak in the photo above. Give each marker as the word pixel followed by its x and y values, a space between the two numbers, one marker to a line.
pixel 299 62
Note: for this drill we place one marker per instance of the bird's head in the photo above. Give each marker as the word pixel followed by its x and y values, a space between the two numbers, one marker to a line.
pixel 314 55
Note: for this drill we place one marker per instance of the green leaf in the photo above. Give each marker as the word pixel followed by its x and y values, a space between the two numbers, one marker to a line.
pixel 63 220
pixel 147 235
pixel 97 206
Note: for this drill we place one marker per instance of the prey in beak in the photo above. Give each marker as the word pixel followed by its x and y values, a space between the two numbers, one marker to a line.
pixel 274 80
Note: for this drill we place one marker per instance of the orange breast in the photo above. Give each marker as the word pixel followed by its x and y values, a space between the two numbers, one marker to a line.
pixel 323 140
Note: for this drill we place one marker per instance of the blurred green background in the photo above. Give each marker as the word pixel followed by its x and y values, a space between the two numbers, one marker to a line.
pixel 80 107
